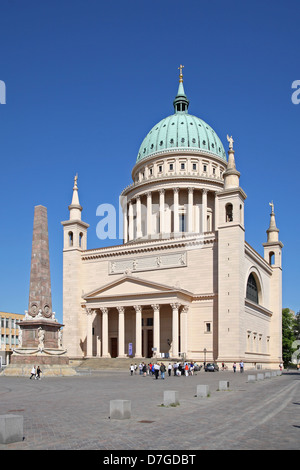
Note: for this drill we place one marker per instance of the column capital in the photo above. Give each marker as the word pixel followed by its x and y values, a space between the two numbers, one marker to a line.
pixel 137 308
pixel 176 190
pixel 161 191
pixel 204 191
pixel 121 309
pixel 104 309
pixel 89 311
pixel 185 309
pixel 191 189
pixel 148 193
pixel 175 305
pixel 155 306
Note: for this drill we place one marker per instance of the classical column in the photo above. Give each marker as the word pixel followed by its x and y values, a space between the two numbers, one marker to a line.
pixel 175 330
pixel 156 326
pixel 138 331
pixel 104 311
pixel 99 329
pixel 175 210
pixel 149 213
pixel 190 209
pixel 121 335
pixel 138 218
pixel 216 222
pixel 162 211
pixel 183 328
pixel 204 210
pixel 125 223
pixel 89 333
pixel 130 213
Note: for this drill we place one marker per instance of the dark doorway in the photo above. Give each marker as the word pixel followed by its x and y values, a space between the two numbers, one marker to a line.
pixel 150 343
pixel 114 347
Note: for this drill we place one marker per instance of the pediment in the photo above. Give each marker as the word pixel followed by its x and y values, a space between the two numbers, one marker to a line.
pixel 127 286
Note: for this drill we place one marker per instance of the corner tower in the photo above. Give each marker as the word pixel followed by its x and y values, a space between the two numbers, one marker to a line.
pixel 231 255
pixel 75 241
pixel 272 254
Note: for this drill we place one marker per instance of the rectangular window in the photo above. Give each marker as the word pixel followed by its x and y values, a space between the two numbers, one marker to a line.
pixel 194 166
pixel 149 321
pixel 182 166
pixel 160 168
pixel 204 167
pixel 181 223
pixel 207 327
pixel 171 167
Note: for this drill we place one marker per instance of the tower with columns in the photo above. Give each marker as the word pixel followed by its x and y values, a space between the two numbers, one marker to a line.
pixel 184 283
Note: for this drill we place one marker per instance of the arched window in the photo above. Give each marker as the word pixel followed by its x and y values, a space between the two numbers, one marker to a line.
pixel 229 212
pixel 70 238
pixel 271 258
pixel 252 289
pixel 80 239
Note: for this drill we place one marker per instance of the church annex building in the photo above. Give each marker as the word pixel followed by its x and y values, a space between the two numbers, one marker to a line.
pixel 184 283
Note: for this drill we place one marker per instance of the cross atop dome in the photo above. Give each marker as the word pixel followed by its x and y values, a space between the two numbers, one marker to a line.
pixel 180 75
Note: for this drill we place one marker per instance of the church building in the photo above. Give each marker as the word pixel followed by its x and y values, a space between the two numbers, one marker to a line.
pixel 184 283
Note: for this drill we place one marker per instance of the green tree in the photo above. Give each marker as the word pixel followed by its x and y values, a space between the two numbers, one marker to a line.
pixel 288 335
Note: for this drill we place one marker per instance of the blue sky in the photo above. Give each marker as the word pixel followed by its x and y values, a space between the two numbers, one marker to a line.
pixel 85 82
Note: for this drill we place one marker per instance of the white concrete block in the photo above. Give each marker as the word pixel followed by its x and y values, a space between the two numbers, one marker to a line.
pixel 260 376
pixel 223 385
pixel 120 409
pixel 11 428
pixel 202 390
pixel 251 378
pixel 171 398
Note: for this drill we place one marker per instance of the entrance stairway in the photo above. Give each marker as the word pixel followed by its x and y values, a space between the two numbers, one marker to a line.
pixel 100 363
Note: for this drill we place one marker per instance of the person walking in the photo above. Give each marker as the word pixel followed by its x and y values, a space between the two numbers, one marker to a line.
pixel 162 370
pixel 241 367
pixel 131 369
pixel 169 369
pixel 38 373
pixel 234 366
pixel 33 372
pixel 156 370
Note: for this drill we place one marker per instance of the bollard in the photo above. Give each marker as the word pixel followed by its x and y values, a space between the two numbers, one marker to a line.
pixel 202 391
pixel 223 385
pixel 11 429
pixel 120 409
pixel 251 378
pixel 171 398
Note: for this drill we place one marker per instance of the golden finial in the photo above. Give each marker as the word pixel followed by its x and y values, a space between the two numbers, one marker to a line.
pixel 180 75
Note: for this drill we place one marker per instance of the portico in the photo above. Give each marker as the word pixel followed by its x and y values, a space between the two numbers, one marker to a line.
pixel 149 322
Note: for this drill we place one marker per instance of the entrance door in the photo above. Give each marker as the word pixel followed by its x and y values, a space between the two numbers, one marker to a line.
pixel 114 347
pixel 150 343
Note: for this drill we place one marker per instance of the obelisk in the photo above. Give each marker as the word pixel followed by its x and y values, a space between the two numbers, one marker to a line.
pixel 40 300
pixel 40 336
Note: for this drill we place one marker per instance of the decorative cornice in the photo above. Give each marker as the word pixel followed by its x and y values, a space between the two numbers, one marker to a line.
pixel 148 246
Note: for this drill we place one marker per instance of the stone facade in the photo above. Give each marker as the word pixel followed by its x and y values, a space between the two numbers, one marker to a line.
pixel 184 283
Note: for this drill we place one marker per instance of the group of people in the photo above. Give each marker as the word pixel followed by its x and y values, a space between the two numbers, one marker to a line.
pixel 241 366
pixel 36 373
pixel 155 369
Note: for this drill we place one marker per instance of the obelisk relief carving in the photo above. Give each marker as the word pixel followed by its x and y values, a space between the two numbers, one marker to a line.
pixel 40 302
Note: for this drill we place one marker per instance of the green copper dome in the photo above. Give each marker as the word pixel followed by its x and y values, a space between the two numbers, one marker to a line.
pixel 181 131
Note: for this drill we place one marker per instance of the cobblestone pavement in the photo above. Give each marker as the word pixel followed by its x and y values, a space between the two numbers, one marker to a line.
pixel 70 413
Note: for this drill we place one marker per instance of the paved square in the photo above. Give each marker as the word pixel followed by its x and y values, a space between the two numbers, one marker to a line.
pixel 70 413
